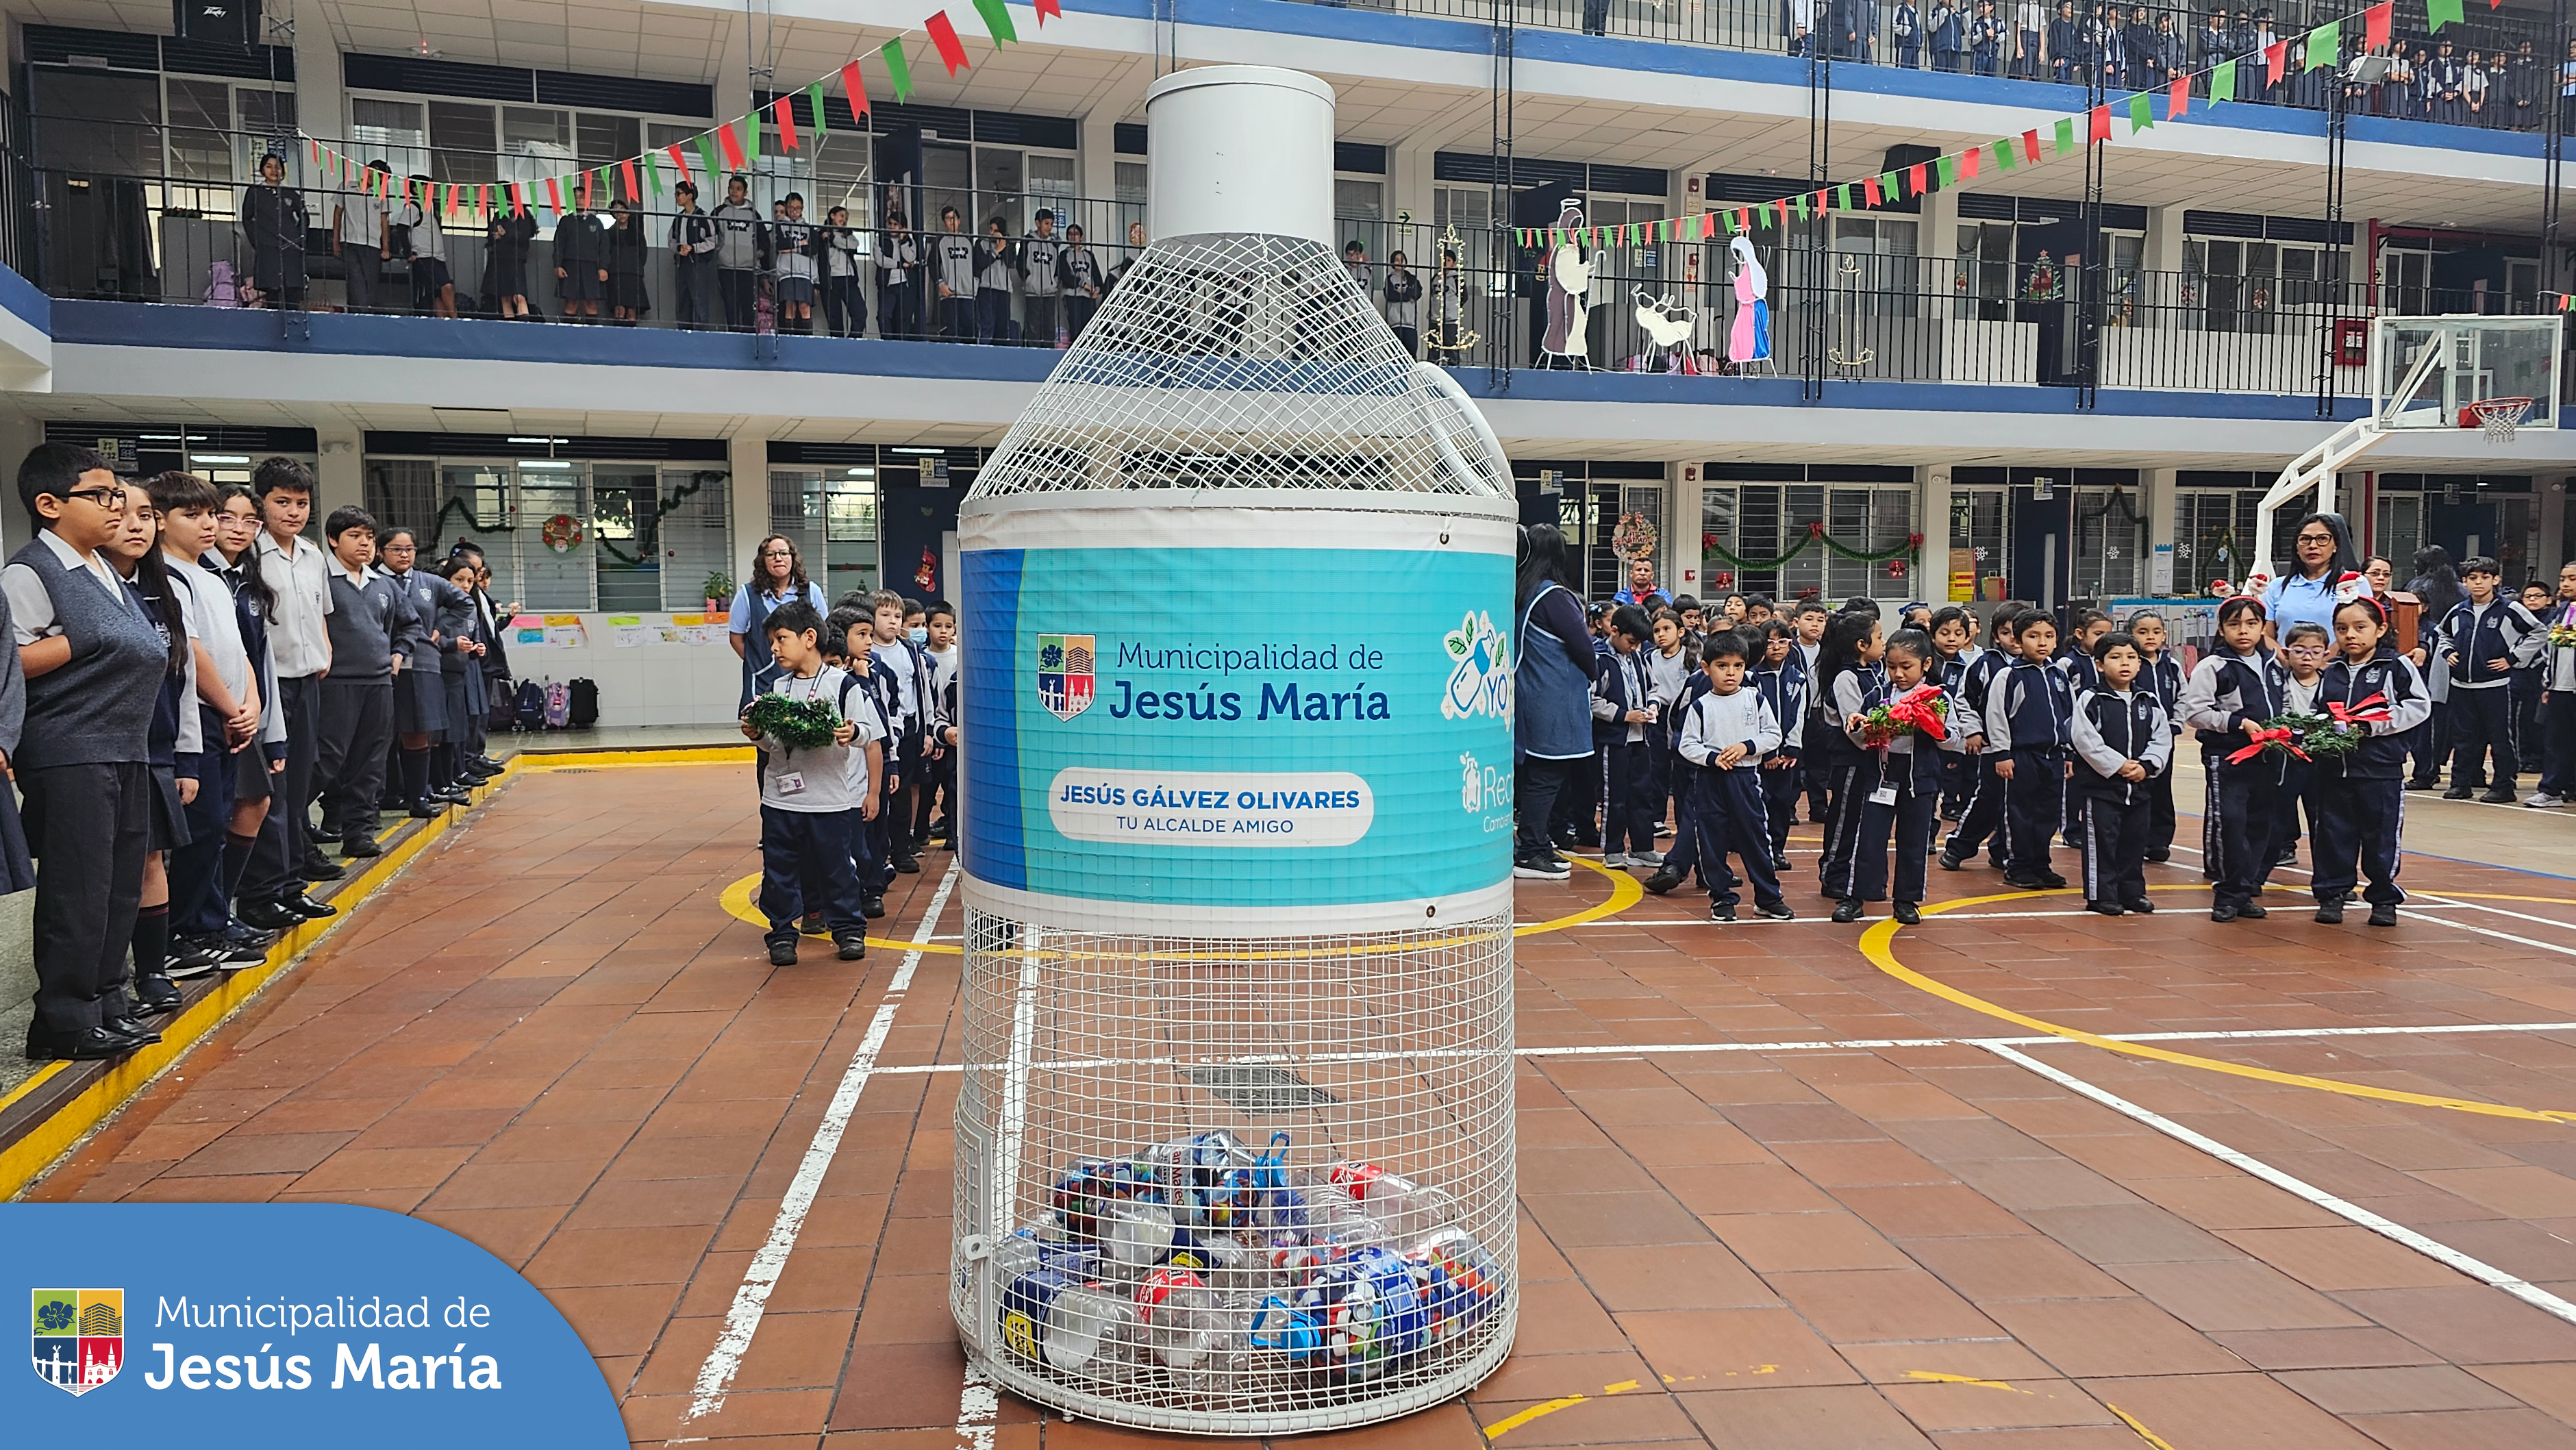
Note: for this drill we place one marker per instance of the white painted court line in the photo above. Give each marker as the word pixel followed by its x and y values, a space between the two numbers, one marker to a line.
pixel 2433 1249
pixel 1847 1044
pixel 750 1300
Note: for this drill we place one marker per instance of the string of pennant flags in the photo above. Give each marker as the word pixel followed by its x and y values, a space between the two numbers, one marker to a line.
pixel 2321 45
pixel 729 147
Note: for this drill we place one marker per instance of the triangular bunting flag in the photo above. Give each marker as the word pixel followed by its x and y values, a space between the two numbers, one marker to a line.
pixel 1870 190
pixel 2276 57
pixel 732 145
pixel 2007 154
pixel 943 36
pixel 898 69
pixel 2100 127
pixel 483 203
pixel 2030 147
pixel 2222 82
pixel 2325 44
pixel 858 88
pixel 634 188
pixel 1047 8
pixel 822 117
pixel 1968 163
pixel 751 140
pixel 518 203
pixel 653 174
pixel 1707 225
pixel 785 109
pixel 2438 13
pixel 1887 186
pixel 554 195
pixel 2375 24
pixel 1915 182
pixel 997 20
pixel 2178 97
pixel 2141 113
pixel 1842 197
pixel 1802 206
pixel 1949 169
pixel 2065 134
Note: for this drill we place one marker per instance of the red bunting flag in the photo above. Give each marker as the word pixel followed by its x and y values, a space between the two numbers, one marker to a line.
pixel 952 51
pixel 518 203
pixel 1050 7
pixel 2178 97
pixel 858 88
pixel 554 195
pixel 732 145
pixel 2275 57
pixel 483 202
pixel 455 199
pixel 785 106
pixel 2030 142
pixel 1916 183
pixel 2375 23
pixel 678 160
pixel 2101 127
pixel 586 202
pixel 634 188
pixel 317 151
pixel 1968 162
pixel 1707 225
pixel 1869 189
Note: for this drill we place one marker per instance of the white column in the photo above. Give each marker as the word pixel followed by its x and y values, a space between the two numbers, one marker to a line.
pixel 321 106
pixel 2156 499
pixel 747 454
pixel 1940 235
pixel 1932 521
pixel 2553 523
pixel 340 470
pixel 2164 239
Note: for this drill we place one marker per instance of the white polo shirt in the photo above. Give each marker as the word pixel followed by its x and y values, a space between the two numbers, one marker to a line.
pixel 298 640
pixel 31 609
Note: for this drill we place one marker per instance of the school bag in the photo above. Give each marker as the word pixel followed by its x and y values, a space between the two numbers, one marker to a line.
pixel 221 289
pixel 558 704
pixel 532 706
pixel 502 712
pixel 585 704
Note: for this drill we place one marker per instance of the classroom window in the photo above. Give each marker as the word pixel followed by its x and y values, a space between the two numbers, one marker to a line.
pixel 650 535
pixel 1760 522
pixel 2398 531
pixel 2110 543
pixel 2213 529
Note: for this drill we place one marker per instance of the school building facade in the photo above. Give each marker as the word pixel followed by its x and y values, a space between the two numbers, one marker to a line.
pixel 1928 426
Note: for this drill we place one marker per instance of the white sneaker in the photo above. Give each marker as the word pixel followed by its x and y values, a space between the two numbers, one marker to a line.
pixel 1645 858
pixel 1614 860
pixel 2544 800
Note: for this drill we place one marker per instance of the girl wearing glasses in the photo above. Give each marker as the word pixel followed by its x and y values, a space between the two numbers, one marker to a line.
pixel 776 577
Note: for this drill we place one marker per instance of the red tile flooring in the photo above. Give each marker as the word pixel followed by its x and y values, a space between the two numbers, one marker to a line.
pixel 547 1036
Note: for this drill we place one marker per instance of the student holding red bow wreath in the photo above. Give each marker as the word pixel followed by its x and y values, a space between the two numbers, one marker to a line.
pixel 2356 800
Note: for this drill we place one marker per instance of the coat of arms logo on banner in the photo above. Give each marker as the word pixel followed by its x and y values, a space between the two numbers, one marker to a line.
pixel 78 1337
pixel 1064 673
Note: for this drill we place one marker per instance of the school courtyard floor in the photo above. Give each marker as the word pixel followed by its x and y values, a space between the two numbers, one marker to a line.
pixel 1784 1185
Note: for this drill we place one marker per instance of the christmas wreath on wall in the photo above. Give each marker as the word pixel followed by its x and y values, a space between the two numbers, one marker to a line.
pixel 561 533
pixel 1635 536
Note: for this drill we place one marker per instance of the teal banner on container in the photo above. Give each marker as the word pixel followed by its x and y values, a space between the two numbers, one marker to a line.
pixel 1236 728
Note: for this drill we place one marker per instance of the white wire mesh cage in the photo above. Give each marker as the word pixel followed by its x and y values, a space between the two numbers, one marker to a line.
pixel 1234 1144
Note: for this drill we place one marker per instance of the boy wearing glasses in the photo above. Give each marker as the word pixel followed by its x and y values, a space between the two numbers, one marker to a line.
pixel 93 667
pixel 2304 648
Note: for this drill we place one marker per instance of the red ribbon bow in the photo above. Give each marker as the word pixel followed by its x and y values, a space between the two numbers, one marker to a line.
pixel 1915 710
pixel 2369 712
pixel 2268 735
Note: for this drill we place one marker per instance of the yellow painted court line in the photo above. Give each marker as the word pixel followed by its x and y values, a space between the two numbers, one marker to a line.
pixel 1936 1377
pixel 1534 1412
pixel 542 760
pixel 21 1161
pixel 1876 944
pixel 2150 1436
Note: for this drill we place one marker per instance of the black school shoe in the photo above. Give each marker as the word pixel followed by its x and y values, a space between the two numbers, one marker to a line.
pixel 1721 911
pixel 782 952
pixel 905 862
pixel 144 1034
pixel 1662 881
pixel 1952 863
pixel 156 996
pixel 1849 909
pixel 308 908
pixel 2160 855
pixel 1776 911
pixel 2384 914
pixel 2022 882
pixel 360 848
pixel 2428 783
pixel 270 916
pixel 2457 793
pixel 872 907
pixel 2139 905
pixel 2330 911
pixel 2500 796
pixel 812 925
pixel 2106 908
pixel 852 947
pixel 94 1044
pixel 1909 913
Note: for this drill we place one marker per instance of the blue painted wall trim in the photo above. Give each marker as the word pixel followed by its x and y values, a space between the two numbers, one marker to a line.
pixel 2045 100
pixel 25 303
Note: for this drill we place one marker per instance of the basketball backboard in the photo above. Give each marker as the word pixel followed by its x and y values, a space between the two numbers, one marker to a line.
pixel 2428 372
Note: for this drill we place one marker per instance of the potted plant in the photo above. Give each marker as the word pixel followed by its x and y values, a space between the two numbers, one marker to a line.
pixel 719 592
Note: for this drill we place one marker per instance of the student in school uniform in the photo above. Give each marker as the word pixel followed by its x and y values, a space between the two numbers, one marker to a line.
pixel 1809 620
pixel 693 258
pixel 623 243
pixel 2075 657
pixel 2123 741
pixel 1900 788
pixel 228 709
pixel 2487 636
pixel 1981 819
pixel 2557 735
pixel 2530 679
pixel 952 271
pixel 806 795
pixel 908 674
pixel 739 232
pixel 581 261
pixel 299 638
pixel 2360 797
pixel 2159 674
pixel 938 818
pixel 845 302
pixel 795 241
pixel 2237 686
pixel 1846 670
pixel 2029 725
pixel 1725 734
pixel 460 663
pixel 2304 648
pixel 1079 270
pixel 234 562
pixel 1670 664
pixel 1623 708
pixel 993 279
pixel 420 694
pixel 1036 263
pixel 849 636
pixel 92 666
pixel 175 745
pixel 1953 651
pixel 1780 677
pixel 371 620
pixel 1681 777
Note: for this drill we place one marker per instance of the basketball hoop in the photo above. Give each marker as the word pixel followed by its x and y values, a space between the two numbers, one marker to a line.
pixel 2498 416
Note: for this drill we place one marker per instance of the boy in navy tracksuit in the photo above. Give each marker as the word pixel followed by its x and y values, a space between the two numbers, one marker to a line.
pixel 2236 687
pixel 1781 681
pixel 2082 677
pixel 2029 710
pixel 1981 820
pixel 1726 733
pixel 1681 778
pixel 2359 801
pixel 1900 783
pixel 1623 707
pixel 1952 654
pixel 2123 744
pixel 2159 674
pixel 2489 637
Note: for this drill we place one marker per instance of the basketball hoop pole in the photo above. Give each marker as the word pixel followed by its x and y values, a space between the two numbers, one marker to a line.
pixel 2316 468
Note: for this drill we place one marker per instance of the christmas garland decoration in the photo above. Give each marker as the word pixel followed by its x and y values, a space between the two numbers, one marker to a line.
pixel 1911 549
pixel 731 146
pixel 2320 45
pixel 795 724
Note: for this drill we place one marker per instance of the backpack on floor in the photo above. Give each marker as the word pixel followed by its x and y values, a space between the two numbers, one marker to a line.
pixel 531 709
pixel 558 704
pixel 501 711
pixel 221 289
pixel 585 704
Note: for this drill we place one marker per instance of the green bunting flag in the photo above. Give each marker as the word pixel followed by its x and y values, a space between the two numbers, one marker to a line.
pixel 2222 77
pixel 707 154
pixel 822 123
pixel 2438 13
pixel 1949 172
pixel 2005 156
pixel 1802 206
pixel 1842 197
pixel 2065 134
pixel 653 175
pixel 997 19
pixel 1887 185
pixel 897 69
pixel 2325 43
pixel 2142 115
pixel 751 141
